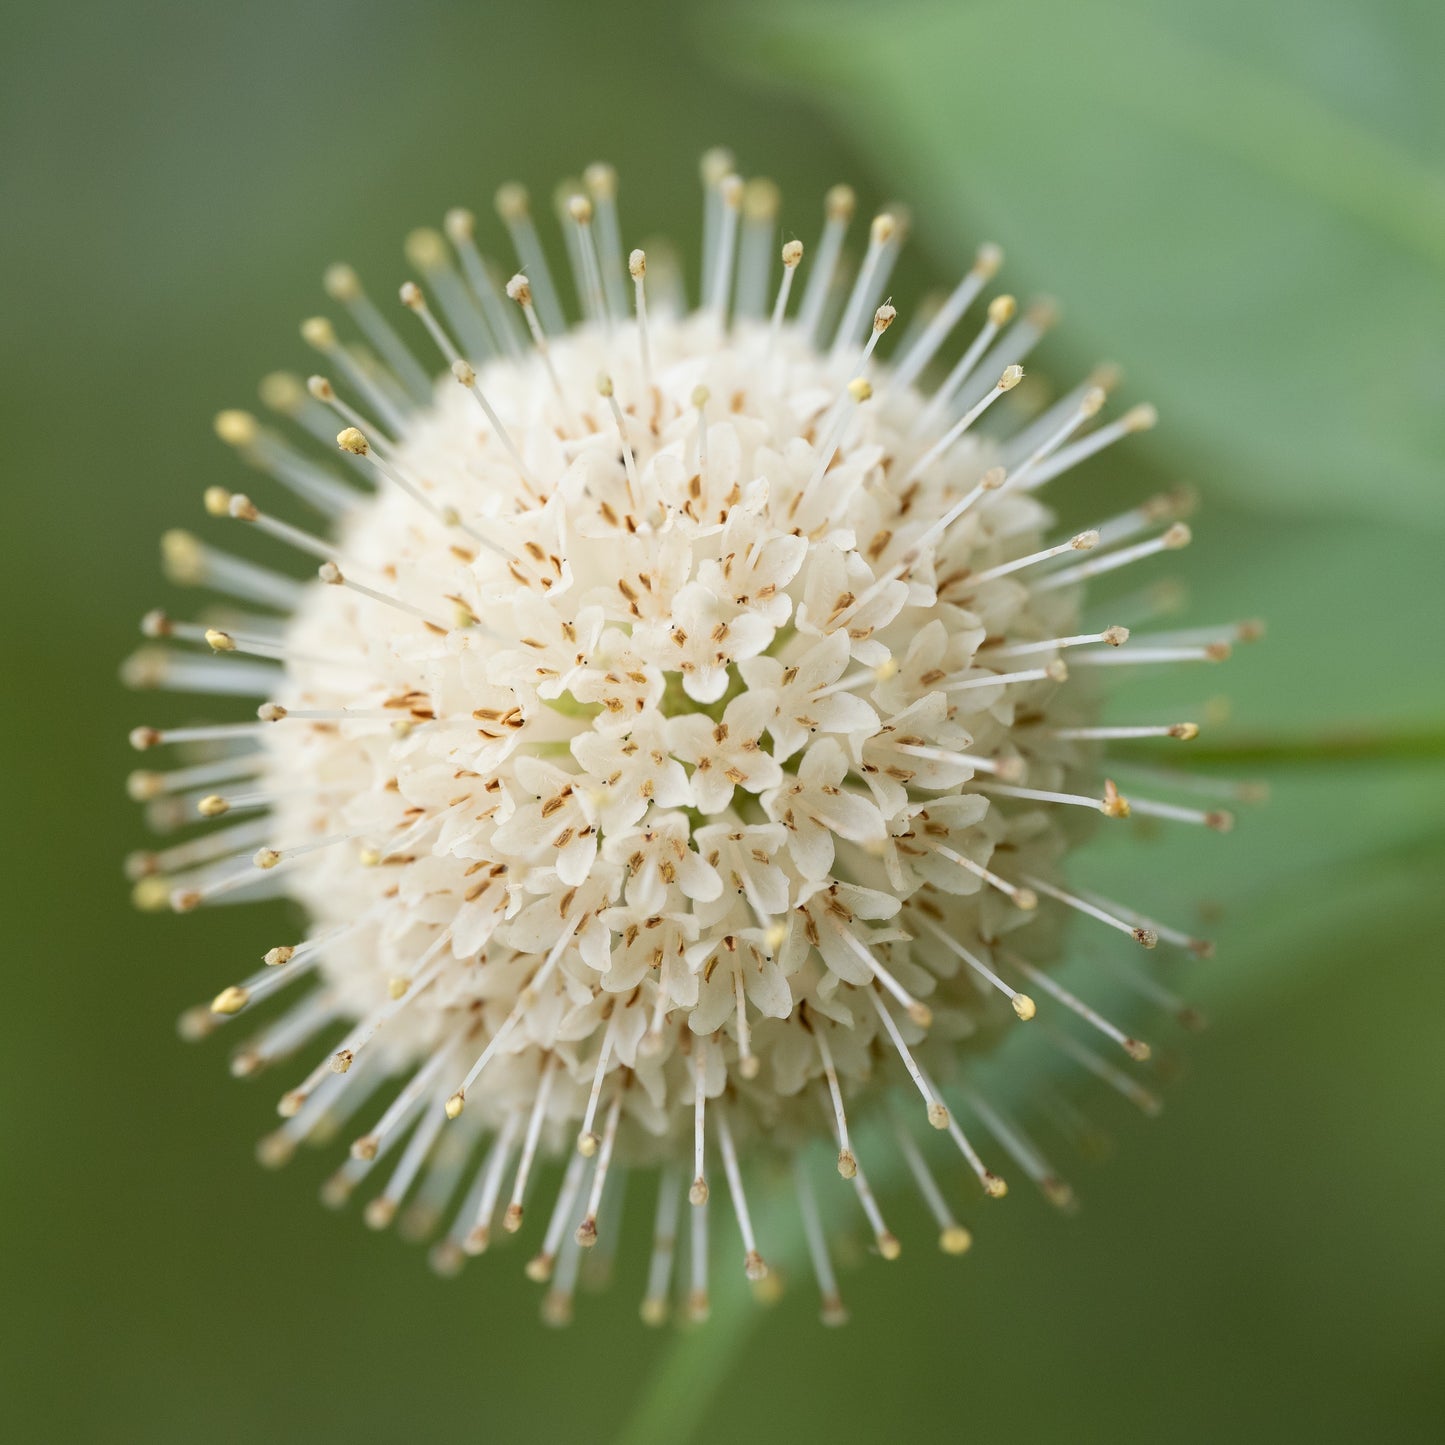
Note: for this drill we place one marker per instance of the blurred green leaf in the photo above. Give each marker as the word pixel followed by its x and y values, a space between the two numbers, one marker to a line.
pixel 1226 209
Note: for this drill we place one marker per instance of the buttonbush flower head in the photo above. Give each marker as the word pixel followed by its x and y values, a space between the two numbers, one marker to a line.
pixel 673 722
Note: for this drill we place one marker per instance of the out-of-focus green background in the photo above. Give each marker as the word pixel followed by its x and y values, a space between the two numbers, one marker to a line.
pixel 1245 206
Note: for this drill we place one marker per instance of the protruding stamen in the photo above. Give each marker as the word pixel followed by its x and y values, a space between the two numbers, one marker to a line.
pixel 1217 820
pixel 217 805
pixel 519 289
pixel 370 1145
pixel 754 1265
pixel 445 1166
pixel 1147 1102
pixel 187 898
pixel 239 644
pixel 761 200
pixel 1184 732
pixel 189 562
pixel 748 1063
pixel 1185 1013
pixel 351 439
pixel 1225 634
pixel 601 182
pixel 514 207
pixel 1024 476
pixel 1081 542
pixel 1023 898
pixel 143 786
pixel 881 235
pixel 467 376
pixel 1055 671
pixel 1144 937
pixel 1022 1150
pixel 598 1265
pixel 1170 541
pixel 1199 947
pixel 557 1302
pixel 937 1111
pixel 637 266
pixel 883 318
pixel 448 1255
pixel 278 1148
pixel 792 255
pixel 921 1014
pixel 285 393
pixel 990 481
pixel 831 1302
pixel 992 1184
pixel 698 1191
pixel 886 1240
pixel 587 1230
pixel 1001 311
pixel 1172 506
pixel 909 366
pixel 273 857
pixel 219 843
pixel 427 251
pixel 142 739
pixel 318 333
pixel 870 678
pixel 1009 379
pixel 1137 1049
pixel 651 1042
pixel 277 458
pixel 321 389
pixel 333 576
pixel 243 509
pixel 1011 768
pixel 664 1244
pixel 1111 805
pixel 414 299
pixel 382 1210
pixel 1012 348
pixel 344 285
pixel 697 1298
pixel 402 992
pixel 953 1238
pixel 539 1267
pixel 457 1101
pixel 593 300
pixel 460 225
pixel 1145 655
pixel 283 1036
pixel 730 197
pixel 274 712
pixel 512 1219
pixel 1022 1004
pixel 1203 785
pixel 838 209
pixel 700 398
pixel 587 1141
pixel 715 166
pixel 606 391
pixel 859 390
pixel 1136 419
pixel 847 1160
pixel 483 1209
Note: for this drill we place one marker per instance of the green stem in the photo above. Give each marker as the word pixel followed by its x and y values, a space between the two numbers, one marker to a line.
pixel 1350 744
pixel 689 1375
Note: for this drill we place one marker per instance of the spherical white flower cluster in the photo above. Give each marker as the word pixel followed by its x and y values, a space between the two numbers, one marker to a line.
pixel 676 746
